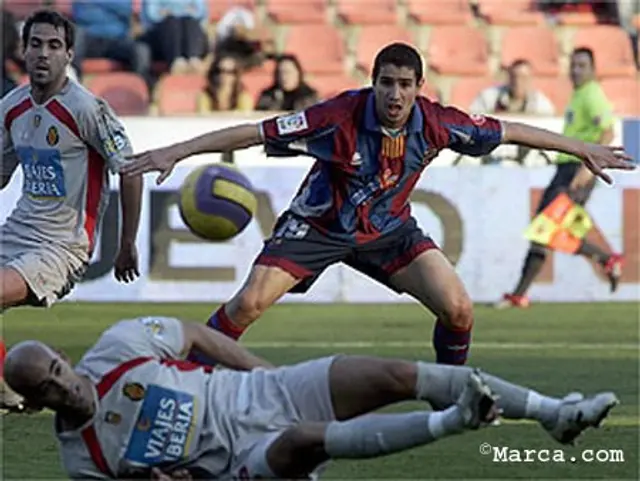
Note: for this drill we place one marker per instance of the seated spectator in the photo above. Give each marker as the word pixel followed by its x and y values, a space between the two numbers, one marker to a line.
pixel 12 61
pixel 289 92
pixel 237 35
pixel 104 31
pixel 224 91
pixel 173 29
pixel 516 97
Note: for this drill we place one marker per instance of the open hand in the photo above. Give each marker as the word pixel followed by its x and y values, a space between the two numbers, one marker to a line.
pixel 599 157
pixel 158 160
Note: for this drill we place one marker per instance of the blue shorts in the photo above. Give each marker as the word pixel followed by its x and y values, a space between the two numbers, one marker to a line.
pixel 304 252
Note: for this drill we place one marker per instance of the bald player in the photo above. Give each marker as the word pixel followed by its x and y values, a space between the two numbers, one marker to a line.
pixel 66 141
pixel 131 405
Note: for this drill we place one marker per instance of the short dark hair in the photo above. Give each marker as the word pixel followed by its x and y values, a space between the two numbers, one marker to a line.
pixel 400 55
pixel 519 63
pixel 50 17
pixel 586 51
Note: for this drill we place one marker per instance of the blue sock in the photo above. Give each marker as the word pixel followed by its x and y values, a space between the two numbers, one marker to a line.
pixel 451 345
pixel 221 322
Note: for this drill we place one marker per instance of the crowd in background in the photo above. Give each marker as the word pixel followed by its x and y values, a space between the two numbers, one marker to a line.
pixel 162 37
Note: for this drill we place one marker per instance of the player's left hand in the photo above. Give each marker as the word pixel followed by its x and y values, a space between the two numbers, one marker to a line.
pixel 598 157
pixel 126 264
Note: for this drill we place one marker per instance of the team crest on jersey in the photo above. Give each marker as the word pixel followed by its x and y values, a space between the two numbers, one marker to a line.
pixel 52 136
pixel 112 418
pixel 291 124
pixel 478 119
pixel 134 391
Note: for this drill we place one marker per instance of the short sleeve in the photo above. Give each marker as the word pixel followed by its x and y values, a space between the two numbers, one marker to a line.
pixel 9 160
pixel 467 134
pixel 102 130
pixel 308 131
pixel 599 110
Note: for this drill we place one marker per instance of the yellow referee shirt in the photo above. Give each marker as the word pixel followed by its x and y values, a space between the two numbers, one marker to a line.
pixel 588 115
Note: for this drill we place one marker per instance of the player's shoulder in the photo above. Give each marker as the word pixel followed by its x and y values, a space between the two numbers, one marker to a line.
pixel 80 100
pixel 14 98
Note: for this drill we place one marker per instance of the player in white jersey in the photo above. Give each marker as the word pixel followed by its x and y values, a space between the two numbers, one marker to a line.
pixel 66 140
pixel 132 405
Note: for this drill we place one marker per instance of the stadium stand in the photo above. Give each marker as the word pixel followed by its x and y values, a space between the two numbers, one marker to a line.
pixel 126 92
pixel 336 41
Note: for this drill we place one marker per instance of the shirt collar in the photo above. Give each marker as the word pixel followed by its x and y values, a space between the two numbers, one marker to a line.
pixel 414 125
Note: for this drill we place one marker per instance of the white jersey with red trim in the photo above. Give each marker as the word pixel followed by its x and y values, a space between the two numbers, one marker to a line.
pixel 153 409
pixel 65 147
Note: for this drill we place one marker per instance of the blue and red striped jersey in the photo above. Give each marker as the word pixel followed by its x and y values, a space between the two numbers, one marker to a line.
pixel 359 186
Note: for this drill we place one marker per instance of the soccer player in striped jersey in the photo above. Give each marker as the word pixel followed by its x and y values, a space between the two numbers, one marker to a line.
pixel 371 146
pixel 66 140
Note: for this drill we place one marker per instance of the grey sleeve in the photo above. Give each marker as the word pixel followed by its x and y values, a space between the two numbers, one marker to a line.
pixel 102 130
pixel 161 337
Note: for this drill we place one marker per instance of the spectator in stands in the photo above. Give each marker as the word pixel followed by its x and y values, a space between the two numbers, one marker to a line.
pixel 174 30
pixel 104 31
pixel 289 92
pixel 517 96
pixel 238 35
pixel 224 90
pixel 11 52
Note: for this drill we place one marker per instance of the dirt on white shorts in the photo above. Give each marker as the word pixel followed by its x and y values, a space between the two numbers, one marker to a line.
pixel 304 393
pixel 50 271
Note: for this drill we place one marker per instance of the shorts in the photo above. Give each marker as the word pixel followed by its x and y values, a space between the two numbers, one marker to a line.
pixel 565 173
pixel 50 271
pixel 279 399
pixel 304 252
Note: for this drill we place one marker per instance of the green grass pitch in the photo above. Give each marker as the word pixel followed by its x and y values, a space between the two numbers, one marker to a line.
pixel 553 348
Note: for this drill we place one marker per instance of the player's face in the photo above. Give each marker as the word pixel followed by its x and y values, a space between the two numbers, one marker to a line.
pixel 581 69
pixel 396 89
pixel 46 54
pixel 55 385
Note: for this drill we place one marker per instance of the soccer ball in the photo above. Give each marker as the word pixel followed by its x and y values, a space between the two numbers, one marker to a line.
pixel 217 202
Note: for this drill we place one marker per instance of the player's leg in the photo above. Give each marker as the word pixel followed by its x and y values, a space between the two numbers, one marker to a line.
pixel 290 261
pixel 14 290
pixel 410 262
pixel 359 385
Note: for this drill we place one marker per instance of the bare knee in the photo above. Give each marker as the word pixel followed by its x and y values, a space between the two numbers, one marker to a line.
pixel 13 288
pixel 459 313
pixel 298 451
pixel 247 306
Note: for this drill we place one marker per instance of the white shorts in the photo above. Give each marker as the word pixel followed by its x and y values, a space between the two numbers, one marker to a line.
pixel 304 394
pixel 50 271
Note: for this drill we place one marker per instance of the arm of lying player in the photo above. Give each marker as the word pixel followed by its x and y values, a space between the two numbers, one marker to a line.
pixel 177 475
pixel 164 159
pixel 595 157
pixel 219 347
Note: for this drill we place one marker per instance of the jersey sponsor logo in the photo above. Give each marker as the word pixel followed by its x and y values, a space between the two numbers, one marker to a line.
pixel 43 172
pixel 134 391
pixel 385 181
pixel 478 119
pixel 164 429
pixel 291 124
pixel 52 136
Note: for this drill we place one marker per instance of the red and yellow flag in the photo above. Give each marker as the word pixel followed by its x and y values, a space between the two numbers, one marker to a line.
pixel 561 226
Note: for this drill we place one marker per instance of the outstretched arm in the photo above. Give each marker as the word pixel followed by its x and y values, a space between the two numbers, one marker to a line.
pixel 594 156
pixel 163 160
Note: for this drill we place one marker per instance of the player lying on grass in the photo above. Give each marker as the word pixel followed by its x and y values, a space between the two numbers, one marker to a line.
pixel 66 140
pixel 131 405
pixel 370 146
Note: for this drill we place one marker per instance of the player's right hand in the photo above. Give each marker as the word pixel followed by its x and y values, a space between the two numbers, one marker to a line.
pixel 159 160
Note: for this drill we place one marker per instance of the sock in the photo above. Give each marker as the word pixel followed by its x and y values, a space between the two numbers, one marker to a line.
pixel 593 252
pixel 375 435
pixel 532 266
pixel 221 323
pixel 441 386
pixel 452 346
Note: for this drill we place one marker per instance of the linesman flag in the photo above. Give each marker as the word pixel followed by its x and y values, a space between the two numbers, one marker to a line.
pixel 561 226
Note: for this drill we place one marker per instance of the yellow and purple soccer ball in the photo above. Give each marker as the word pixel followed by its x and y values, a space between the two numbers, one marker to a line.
pixel 217 202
